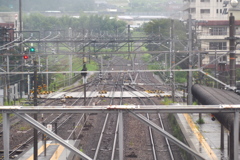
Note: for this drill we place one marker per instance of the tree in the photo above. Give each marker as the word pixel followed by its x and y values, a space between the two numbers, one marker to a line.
pixel 160 28
pixel 38 22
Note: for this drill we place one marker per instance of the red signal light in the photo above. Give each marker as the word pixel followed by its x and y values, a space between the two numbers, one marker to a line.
pixel 25 57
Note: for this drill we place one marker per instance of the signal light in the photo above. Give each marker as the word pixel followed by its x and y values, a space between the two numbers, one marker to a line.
pixel 32 49
pixel 25 57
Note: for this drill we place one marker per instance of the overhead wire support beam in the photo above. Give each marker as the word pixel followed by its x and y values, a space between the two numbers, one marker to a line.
pixel 110 71
pixel 226 108
pixel 110 52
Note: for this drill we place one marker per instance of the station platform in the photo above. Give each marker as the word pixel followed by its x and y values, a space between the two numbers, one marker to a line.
pixel 204 138
pixel 54 151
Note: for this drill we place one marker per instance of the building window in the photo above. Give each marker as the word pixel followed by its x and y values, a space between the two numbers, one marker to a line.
pixel 205 0
pixel 218 31
pixel 211 58
pixel 217 45
pixel 192 10
pixel 222 59
pixel 205 10
pixel 217 10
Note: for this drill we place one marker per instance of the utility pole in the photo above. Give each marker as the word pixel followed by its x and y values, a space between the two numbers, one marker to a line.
pixel 21 49
pixel 70 69
pixel 84 74
pixel 232 55
pixel 233 149
pixel 129 42
pixel 8 81
pixel 35 132
pixel 172 59
pixel 189 100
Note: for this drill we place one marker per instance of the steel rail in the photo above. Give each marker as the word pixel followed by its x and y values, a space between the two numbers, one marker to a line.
pixel 149 129
pixel 104 127
pixel 168 145
pixel 152 140
pixel 161 123
pixel 115 140
pixel 100 138
pixel 75 128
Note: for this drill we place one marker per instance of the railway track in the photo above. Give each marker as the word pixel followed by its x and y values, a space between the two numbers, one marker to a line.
pixel 98 132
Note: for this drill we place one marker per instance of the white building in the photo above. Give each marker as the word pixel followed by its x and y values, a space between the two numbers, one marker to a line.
pixel 212 25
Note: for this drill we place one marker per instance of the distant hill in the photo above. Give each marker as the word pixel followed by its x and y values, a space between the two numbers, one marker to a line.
pixel 46 5
pixel 162 6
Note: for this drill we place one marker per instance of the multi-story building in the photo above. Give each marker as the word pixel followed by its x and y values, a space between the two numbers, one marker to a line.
pixel 211 21
pixel 8 24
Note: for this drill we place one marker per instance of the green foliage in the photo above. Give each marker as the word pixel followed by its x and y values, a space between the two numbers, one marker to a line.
pixel 166 101
pixel 62 79
pixel 200 121
pixel 146 57
pixel 180 77
pixel 138 34
pixel 81 149
pixel 37 21
pixel 238 74
pixel 160 28
pixel 24 128
pixel 8 104
pixel 195 103
pixel 92 66
pixel 177 132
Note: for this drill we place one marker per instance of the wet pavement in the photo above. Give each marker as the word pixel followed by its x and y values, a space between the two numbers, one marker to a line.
pixel 204 138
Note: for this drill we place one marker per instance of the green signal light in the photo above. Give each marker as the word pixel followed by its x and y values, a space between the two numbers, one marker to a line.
pixel 32 49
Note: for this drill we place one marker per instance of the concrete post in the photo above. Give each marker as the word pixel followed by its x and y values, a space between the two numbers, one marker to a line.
pixel 6 128
pixel 120 135
pixel 189 102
